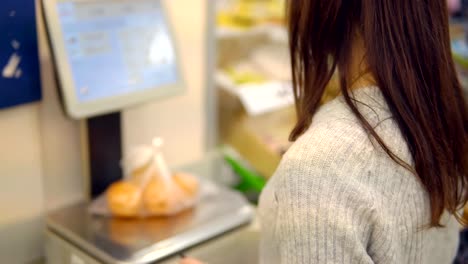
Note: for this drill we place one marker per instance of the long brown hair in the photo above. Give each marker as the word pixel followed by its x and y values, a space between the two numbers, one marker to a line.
pixel 407 50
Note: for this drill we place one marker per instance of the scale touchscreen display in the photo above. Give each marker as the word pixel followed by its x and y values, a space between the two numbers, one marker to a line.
pixel 117 47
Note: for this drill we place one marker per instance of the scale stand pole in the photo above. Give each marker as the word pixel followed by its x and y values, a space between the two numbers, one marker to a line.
pixel 105 151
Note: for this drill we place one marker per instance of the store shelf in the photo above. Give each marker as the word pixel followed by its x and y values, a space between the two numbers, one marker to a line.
pixel 224 82
pixel 275 32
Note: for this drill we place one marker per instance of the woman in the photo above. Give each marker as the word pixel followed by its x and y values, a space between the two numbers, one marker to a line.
pixel 379 174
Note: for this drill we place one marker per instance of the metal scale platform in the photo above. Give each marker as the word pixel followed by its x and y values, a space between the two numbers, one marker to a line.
pixel 77 237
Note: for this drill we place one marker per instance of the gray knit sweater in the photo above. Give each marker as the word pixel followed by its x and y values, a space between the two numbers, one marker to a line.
pixel 338 198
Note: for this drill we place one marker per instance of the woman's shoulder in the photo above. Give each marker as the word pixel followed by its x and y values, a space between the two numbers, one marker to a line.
pixel 334 137
pixel 337 137
pixel 330 150
pixel 337 151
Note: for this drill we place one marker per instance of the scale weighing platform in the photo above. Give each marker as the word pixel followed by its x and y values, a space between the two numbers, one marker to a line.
pixel 75 236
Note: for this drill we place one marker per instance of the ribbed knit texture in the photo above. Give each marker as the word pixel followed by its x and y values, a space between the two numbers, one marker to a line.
pixel 337 197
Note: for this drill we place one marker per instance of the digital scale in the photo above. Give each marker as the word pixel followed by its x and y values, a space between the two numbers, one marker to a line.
pixel 74 233
pixel 109 55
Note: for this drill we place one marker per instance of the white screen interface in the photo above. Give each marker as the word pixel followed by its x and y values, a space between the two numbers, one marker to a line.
pixel 117 47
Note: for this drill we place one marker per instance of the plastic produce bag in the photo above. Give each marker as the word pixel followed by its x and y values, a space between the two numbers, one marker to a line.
pixel 149 187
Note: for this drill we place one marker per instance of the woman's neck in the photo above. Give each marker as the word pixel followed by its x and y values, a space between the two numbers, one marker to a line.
pixel 360 75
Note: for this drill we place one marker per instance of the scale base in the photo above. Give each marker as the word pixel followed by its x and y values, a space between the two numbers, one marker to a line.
pixel 111 240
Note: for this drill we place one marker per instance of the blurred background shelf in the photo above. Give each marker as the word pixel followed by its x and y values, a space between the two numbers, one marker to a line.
pixel 275 32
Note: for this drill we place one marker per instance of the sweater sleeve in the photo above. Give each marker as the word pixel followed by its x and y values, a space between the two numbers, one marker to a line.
pixel 325 212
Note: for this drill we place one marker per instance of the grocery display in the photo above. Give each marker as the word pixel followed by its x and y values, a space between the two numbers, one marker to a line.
pixel 245 14
pixel 256 102
pixel 459 46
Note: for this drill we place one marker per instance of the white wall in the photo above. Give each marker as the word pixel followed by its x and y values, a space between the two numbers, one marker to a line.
pixel 179 120
pixel 60 139
pixel 40 161
pixel 21 193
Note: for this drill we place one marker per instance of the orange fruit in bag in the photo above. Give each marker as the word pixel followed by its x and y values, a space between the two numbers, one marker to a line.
pixel 161 197
pixel 124 199
pixel 188 183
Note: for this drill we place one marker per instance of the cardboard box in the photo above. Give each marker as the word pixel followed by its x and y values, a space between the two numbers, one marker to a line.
pixel 260 140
